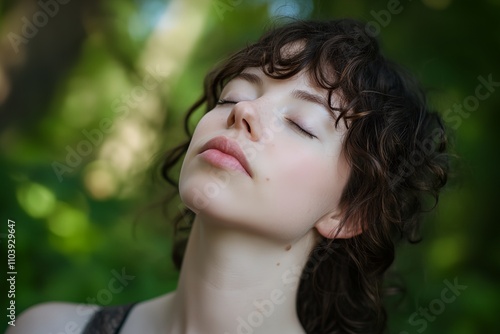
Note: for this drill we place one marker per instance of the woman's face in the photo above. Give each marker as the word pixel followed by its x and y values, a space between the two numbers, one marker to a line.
pixel 267 159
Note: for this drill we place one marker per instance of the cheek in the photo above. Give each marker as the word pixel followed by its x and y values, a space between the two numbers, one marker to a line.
pixel 308 179
pixel 212 121
pixel 208 125
pixel 307 183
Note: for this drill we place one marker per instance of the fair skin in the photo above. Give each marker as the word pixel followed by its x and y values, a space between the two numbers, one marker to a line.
pixel 256 226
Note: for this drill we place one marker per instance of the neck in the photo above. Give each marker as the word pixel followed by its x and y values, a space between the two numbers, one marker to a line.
pixel 235 282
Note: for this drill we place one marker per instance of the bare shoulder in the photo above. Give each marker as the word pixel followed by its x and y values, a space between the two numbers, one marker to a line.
pixel 53 318
pixel 151 316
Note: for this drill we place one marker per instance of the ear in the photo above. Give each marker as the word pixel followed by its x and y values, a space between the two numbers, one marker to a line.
pixel 329 224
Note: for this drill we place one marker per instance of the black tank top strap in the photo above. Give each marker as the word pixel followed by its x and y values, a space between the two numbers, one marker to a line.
pixel 108 320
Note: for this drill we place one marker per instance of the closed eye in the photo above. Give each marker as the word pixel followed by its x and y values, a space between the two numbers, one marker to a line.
pixel 301 129
pixel 223 101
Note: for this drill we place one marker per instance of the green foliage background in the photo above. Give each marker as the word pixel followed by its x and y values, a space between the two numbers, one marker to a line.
pixel 71 232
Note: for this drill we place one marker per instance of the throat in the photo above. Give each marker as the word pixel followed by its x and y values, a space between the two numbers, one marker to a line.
pixel 235 283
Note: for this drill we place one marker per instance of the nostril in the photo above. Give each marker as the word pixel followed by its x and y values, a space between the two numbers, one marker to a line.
pixel 231 120
pixel 247 125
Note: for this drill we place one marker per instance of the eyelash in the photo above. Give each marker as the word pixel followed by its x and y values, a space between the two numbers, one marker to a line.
pixel 301 129
pixel 295 125
pixel 223 101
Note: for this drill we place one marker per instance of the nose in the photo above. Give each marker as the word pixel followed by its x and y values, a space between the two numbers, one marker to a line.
pixel 244 117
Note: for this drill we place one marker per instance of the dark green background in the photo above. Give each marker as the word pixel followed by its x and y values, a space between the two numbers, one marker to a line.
pixel 71 233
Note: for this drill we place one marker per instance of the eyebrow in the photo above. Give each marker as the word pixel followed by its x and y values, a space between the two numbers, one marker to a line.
pixel 297 93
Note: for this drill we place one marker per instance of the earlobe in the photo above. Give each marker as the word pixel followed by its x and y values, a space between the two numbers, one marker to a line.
pixel 329 225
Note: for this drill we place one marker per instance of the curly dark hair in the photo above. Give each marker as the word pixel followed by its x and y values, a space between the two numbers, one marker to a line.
pixel 396 148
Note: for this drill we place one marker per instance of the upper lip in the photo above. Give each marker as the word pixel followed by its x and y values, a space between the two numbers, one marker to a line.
pixel 229 147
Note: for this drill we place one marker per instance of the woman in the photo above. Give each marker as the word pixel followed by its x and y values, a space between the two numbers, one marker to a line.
pixel 315 156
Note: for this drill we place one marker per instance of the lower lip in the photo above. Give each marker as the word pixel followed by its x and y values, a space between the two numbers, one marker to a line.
pixel 222 160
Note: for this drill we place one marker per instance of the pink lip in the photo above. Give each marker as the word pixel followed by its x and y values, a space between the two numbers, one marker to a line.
pixel 223 152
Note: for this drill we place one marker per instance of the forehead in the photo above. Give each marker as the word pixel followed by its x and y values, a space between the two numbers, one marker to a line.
pixel 302 80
